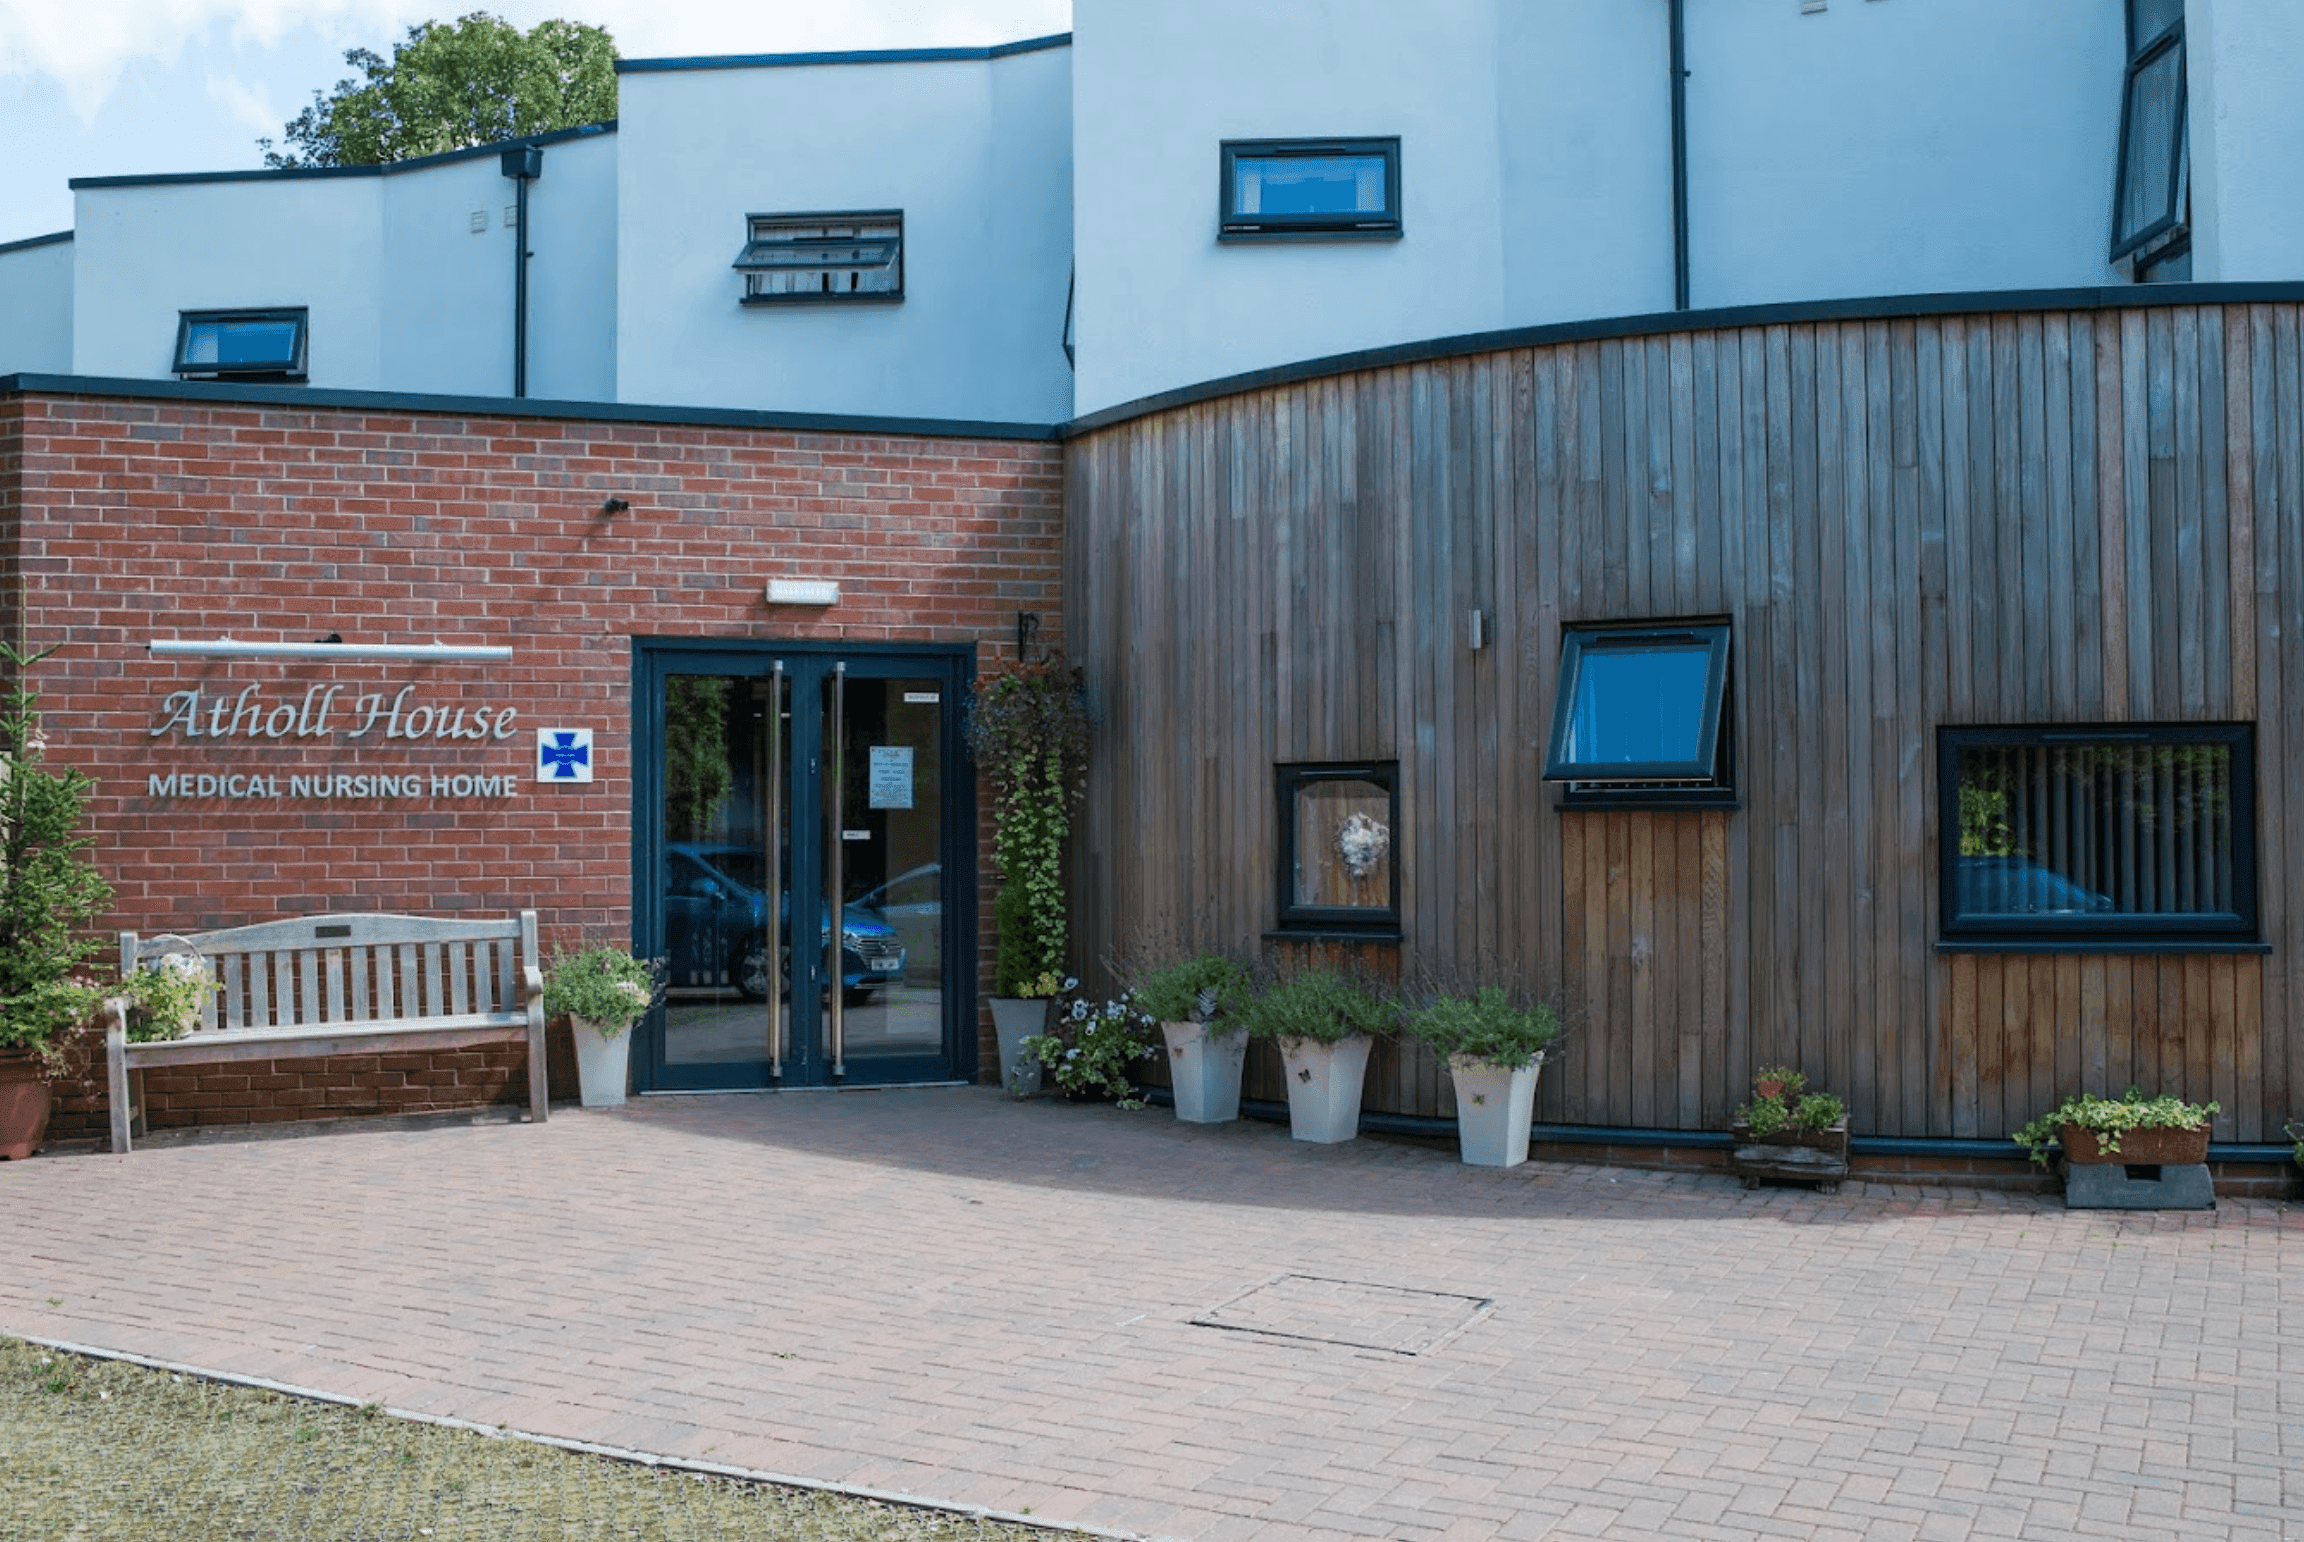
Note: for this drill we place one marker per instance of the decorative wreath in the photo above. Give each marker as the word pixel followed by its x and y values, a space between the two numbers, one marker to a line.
pixel 1362 841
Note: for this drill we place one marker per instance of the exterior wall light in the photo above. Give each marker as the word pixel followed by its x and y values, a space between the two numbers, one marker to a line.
pixel 803 591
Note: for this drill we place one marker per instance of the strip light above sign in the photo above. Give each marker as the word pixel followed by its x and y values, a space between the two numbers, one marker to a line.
pixel 226 648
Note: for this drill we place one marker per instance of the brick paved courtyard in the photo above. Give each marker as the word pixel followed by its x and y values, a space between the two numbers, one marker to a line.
pixel 1113 1319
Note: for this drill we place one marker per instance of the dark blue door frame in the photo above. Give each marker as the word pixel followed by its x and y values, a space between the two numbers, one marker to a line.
pixel 807 667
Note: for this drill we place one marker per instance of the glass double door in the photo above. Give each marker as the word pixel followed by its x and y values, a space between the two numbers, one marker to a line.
pixel 795 827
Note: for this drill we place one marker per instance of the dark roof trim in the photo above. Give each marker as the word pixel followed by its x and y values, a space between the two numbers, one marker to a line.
pixel 31 241
pixel 388 169
pixel 1879 308
pixel 861 56
pixel 237 394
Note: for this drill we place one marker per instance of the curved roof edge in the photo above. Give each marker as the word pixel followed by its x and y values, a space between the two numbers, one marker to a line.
pixel 386 169
pixel 229 395
pixel 1875 308
pixel 52 239
pixel 1030 45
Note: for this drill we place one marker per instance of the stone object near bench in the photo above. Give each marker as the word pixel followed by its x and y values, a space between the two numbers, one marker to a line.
pixel 343 984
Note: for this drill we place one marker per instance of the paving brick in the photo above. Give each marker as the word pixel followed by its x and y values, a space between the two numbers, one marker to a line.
pixel 991 1302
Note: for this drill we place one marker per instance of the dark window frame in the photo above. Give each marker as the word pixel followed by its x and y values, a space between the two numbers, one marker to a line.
pixel 1356 921
pixel 2134 933
pixel 753 240
pixel 2143 53
pixel 1231 225
pixel 291 368
pixel 1706 781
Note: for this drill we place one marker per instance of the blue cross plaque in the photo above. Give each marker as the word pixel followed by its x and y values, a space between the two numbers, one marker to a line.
pixel 563 754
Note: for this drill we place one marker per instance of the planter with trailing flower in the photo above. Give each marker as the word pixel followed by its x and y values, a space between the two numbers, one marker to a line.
pixel 1789 1132
pixel 1196 1002
pixel 1090 1046
pixel 1494 1050
pixel 602 991
pixel 1028 731
pixel 2127 1153
pixel 1323 1025
pixel 49 892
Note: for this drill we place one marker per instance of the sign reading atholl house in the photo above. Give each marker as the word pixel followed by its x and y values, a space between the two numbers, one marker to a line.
pixel 247 716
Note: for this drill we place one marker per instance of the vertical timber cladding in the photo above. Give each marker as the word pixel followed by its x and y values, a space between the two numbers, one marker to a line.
pixel 1996 518
pixel 145 519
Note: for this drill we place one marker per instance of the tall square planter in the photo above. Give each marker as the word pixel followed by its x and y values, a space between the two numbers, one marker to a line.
pixel 1495 1106
pixel 1204 1071
pixel 1324 1087
pixel 1015 1019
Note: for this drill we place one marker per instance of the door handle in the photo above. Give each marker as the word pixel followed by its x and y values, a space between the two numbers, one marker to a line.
pixel 773 920
pixel 834 797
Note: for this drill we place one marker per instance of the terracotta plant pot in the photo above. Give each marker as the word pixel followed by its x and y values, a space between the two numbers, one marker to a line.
pixel 25 1103
pixel 2138 1148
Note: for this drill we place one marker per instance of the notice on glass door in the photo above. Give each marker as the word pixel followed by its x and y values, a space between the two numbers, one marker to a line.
pixel 891 776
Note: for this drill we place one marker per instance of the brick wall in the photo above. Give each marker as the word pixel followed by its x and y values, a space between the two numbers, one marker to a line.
pixel 166 519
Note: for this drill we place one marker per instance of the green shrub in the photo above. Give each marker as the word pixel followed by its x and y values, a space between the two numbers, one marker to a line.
pixel 1794 1110
pixel 2108 1118
pixel 1487 1027
pixel 1192 990
pixel 604 985
pixel 1320 1005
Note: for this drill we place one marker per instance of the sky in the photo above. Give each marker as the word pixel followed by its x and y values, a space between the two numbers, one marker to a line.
pixel 94 88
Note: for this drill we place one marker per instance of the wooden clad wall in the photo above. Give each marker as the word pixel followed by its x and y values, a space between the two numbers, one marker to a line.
pixel 2036 517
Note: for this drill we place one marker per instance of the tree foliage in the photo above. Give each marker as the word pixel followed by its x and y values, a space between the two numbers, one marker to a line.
pixel 49 890
pixel 453 85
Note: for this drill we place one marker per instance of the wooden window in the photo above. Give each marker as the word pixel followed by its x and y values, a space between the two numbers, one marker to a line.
pixel 815 258
pixel 241 345
pixel 1641 716
pixel 1327 189
pixel 1339 868
pixel 2119 833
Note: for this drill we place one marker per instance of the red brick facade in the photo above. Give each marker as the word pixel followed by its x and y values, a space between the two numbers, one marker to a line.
pixel 122 521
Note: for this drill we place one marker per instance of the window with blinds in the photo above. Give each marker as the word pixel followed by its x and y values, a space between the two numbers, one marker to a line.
pixel 2120 833
pixel 814 258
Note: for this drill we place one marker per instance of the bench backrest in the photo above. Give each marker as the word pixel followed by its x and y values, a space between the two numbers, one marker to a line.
pixel 356 968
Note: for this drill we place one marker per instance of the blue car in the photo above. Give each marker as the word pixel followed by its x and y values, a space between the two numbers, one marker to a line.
pixel 714 906
pixel 2019 886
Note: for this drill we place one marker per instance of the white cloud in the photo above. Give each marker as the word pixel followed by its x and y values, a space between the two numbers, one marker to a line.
pixel 244 102
pixel 85 48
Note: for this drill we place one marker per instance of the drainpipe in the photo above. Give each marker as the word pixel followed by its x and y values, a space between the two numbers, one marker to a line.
pixel 524 165
pixel 1679 155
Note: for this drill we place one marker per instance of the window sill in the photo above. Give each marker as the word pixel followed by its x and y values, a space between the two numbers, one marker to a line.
pixel 772 301
pixel 1251 237
pixel 2131 946
pixel 1679 803
pixel 1334 934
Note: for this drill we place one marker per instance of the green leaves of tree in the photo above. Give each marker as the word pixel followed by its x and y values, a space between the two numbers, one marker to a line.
pixel 454 85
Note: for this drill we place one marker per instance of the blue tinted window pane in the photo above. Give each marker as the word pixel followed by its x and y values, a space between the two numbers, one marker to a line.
pixel 1639 703
pixel 2147 19
pixel 229 344
pixel 2155 139
pixel 1308 184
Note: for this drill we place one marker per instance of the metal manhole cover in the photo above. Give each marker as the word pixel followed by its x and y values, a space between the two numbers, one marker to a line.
pixel 1385 1317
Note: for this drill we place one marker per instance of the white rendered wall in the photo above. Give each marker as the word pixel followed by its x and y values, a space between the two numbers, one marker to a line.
pixel 146 253
pixel 2244 68
pixel 572 277
pixel 1884 147
pixel 1157 88
pixel 1877 147
pixel 36 309
pixel 975 153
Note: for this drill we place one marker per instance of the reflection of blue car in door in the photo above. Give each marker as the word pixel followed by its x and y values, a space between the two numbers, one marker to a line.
pixel 2019 886
pixel 714 905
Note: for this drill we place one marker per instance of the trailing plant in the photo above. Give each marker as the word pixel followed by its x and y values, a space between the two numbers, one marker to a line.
pixel 2108 1118
pixel 1090 1046
pixel 1782 1105
pixel 2297 1135
pixel 1193 990
pixel 1487 1027
pixel 1320 1005
pixel 165 997
pixel 1028 730
pixel 49 891
pixel 604 985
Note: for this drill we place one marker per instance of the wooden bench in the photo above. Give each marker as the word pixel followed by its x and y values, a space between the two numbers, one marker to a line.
pixel 343 984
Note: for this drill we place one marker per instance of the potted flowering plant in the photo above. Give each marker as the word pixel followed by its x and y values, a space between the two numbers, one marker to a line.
pixel 1195 1001
pixel 602 991
pixel 49 892
pixel 1324 1025
pixel 1494 1050
pixel 1786 1131
pixel 1091 1045
pixel 1028 730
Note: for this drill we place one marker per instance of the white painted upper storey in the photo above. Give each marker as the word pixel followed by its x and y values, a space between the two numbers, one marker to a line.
pixel 1066 191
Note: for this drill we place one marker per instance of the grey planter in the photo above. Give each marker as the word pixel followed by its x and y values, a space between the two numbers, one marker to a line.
pixel 1204 1070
